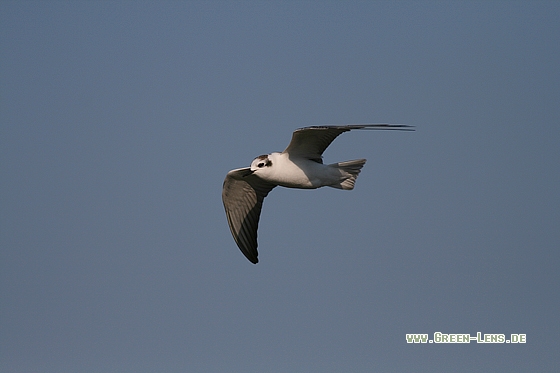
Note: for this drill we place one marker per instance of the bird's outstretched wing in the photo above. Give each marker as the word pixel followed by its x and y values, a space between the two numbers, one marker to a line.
pixel 311 142
pixel 243 194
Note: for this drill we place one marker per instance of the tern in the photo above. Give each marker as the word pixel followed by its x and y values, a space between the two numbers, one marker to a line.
pixel 299 166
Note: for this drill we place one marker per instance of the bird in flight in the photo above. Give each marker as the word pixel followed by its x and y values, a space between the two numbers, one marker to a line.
pixel 299 166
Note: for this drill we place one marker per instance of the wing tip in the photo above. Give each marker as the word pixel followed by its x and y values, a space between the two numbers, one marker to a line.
pixel 253 259
pixel 387 126
pixel 371 126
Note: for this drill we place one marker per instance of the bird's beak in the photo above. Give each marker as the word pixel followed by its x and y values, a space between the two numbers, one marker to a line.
pixel 247 172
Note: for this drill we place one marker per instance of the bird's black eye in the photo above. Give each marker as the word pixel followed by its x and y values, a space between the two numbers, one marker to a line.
pixel 260 165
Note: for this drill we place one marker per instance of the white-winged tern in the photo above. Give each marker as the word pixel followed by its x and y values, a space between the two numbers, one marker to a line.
pixel 300 165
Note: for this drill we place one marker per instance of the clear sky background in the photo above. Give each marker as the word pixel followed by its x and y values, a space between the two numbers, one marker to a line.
pixel 120 120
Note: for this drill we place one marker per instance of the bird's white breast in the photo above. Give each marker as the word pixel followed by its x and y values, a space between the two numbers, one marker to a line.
pixel 298 172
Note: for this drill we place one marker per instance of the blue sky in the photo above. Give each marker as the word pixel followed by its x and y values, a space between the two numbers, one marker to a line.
pixel 119 121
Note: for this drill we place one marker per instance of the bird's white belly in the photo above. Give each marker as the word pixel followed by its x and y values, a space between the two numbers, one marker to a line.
pixel 304 174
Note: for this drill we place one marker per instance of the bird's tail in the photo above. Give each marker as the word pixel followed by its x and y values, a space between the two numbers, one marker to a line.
pixel 350 171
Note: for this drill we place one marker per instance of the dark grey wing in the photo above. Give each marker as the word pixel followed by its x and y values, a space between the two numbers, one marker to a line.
pixel 311 142
pixel 243 194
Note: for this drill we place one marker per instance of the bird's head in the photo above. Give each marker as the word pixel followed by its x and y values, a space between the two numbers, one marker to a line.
pixel 261 162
